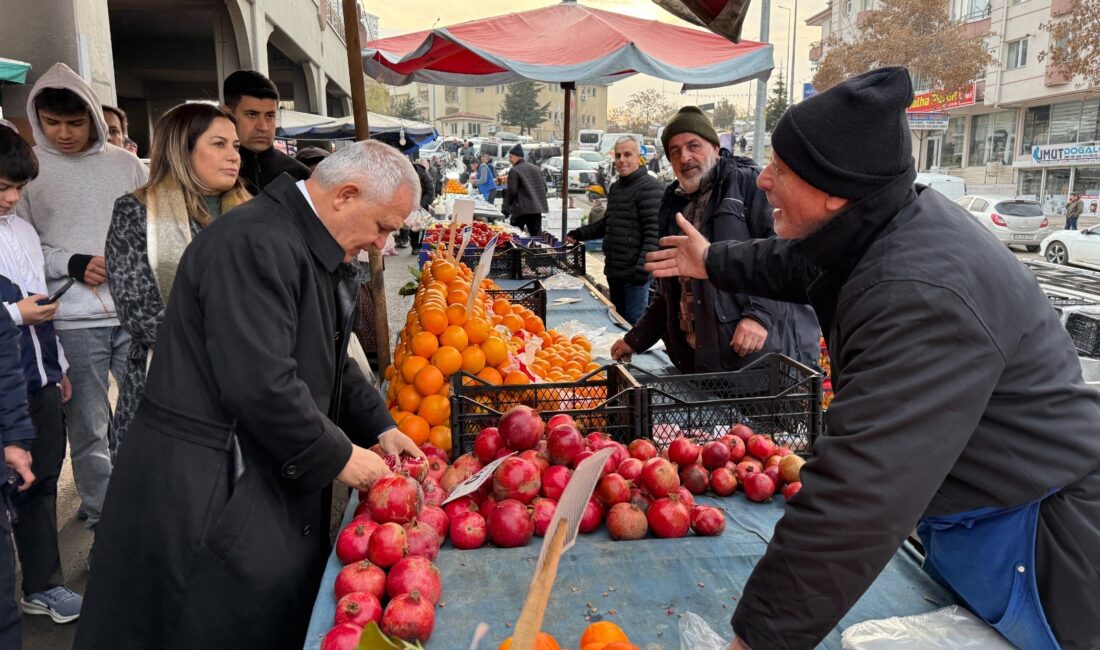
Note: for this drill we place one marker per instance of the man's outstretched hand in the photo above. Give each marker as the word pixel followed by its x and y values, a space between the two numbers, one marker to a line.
pixel 680 255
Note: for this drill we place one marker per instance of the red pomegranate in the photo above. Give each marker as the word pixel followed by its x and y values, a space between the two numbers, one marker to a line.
pixel 613 489
pixel 517 479
pixel 342 637
pixel 597 440
pixel 783 452
pixel 695 479
pixel 468 531
pixel 363 509
pixel 409 617
pixel 626 521
pixel 641 499
pixel 361 576
pixel 487 506
pixel 354 539
pixel 431 451
pixel 683 452
pixel 395 499
pixel 511 524
pixel 593 515
pixel 452 476
pixel 630 469
pixel 520 428
pixel 686 497
pixel 760 446
pixel 563 443
pixel 642 449
pixel 358 608
pixel 423 540
pixel 772 461
pixel 669 517
pixel 659 477
pixel 436 467
pixel 773 473
pixel 487 444
pixel 539 459
pixel 715 454
pixel 758 487
pixel 434 495
pixel 415 574
pixel 435 517
pixel 468 463
pixel 559 419
pixel 791 489
pixel 459 506
pixel 388 544
pixel 554 481
pixel 746 467
pixel 583 456
pixel 707 521
pixel 737 448
pixel 619 454
pixel 415 467
pixel 723 482
pixel 742 432
pixel 543 513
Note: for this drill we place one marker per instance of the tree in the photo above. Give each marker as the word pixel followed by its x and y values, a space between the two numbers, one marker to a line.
pixel 777 103
pixel 725 114
pixel 1075 43
pixel 919 34
pixel 648 108
pixel 405 109
pixel 618 120
pixel 378 97
pixel 521 107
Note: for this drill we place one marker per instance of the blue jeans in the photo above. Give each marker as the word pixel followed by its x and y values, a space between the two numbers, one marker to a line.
pixel 630 300
pixel 1071 223
pixel 93 353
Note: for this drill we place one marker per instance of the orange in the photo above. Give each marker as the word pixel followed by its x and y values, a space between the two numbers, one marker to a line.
pixel 512 322
pixel 440 436
pixel 457 297
pixel 455 337
pixel 435 409
pixel 448 359
pixel 542 642
pixel 415 428
pixel 516 377
pixel 533 324
pixel 456 314
pixel 602 631
pixel 412 366
pixel 425 344
pixel 473 360
pixel 495 349
pixel 408 399
pixel 434 319
pixel 621 645
pixel 477 329
pixel 501 307
pixel 491 376
pixel 391 372
pixel 428 380
pixel 444 271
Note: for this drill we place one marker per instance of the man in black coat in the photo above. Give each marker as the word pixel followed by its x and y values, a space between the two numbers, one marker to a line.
pixel 215 529
pixel 959 405
pixel 704 329
pixel 525 199
pixel 629 230
pixel 253 101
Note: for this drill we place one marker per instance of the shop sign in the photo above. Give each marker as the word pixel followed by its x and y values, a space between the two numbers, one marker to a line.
pixel 928 121
pixel 938 101
pixel 1066 154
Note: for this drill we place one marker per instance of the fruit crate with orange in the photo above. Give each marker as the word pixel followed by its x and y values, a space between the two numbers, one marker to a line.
pixel 531 295
pixel 775 395
pixel 543 256
pixel 503 266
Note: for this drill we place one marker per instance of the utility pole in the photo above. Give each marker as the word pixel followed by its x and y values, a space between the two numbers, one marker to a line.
pixel 761 89
pixel 794 39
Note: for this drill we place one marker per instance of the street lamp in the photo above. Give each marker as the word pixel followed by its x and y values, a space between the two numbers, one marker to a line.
pixel 792 33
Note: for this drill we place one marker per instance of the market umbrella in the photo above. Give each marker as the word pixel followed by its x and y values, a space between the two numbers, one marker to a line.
pixel 12 71
pixel 723 17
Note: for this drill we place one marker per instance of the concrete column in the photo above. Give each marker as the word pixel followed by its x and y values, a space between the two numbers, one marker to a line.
pixel 259 33
pixel 316 82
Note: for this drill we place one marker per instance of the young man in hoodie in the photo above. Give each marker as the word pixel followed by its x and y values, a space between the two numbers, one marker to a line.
pixel 254 102
pixel 70 205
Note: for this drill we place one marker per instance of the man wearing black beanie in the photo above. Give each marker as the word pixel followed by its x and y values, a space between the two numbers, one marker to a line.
pixel 959 408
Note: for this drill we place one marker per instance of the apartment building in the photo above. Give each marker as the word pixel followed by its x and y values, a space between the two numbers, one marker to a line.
pixel 1021 129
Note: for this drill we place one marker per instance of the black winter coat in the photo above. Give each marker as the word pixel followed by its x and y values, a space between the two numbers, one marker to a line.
pixel 739 212
pixel 15 423
pixel 259 169
pixel 956 388
pixel 629 227
pixel 427 187
pixel 201 544
pixel 526 192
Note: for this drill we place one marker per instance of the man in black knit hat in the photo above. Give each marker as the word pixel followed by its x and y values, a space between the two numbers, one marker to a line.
pixel 959 407
pixel 525 197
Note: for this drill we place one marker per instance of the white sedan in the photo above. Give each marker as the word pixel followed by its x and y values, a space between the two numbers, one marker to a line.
pixel 1077 247
pixel 1016 222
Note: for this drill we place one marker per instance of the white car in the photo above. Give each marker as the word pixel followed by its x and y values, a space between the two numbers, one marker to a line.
pixel 1077 247
pixel 1016 222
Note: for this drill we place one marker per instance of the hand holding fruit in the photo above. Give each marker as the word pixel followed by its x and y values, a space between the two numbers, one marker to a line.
pixel 363 468
pixel 396 443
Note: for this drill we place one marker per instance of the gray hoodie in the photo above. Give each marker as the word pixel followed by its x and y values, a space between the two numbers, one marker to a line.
pixel 71 201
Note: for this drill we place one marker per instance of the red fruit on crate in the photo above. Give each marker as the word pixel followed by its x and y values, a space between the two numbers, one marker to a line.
pixel 487 444
pixel 409 617
pixel 361 576
pixel 715 454
pixel 790 468
pixel 597 440
pixel 436 468
pixel 593 515
pixel 772 461
pixel 708 521
pixel 746 467
pixel 558 420
pixel 630 469
pixel 520 428
pixel 434 494
pixel 517 479
pixel 416 468
pixel 759 487
pixel 642 449
pixel 468 531
pixel 554 480
pixel 737 448
pixel 723 482
pixel 452 477
pixel 363 509
pixel 583 456
pixel 695 478
pixel 760 447
pixel 388 544
pixel 511 524
pixel 783 451
pixel 539 459
pixel 415 574
pixel 641 499
pixel 773 473
pixel 358 608
pixel 612 489
pixel 563 443
pixel 669 517
pixel 395 499
pixel 791 489
pixel 686 497
pixel 342 637
pixel 354 540
pixel 742 432
pixel 468 463
pixel 487 506
pixel 431 451
pixel 626 521
pixel 423 540
pixel 683 452
pixel 435 517
pixel 459 506
pixel 504 451
pixel 659 477
pixel 620 454
pixel 543 513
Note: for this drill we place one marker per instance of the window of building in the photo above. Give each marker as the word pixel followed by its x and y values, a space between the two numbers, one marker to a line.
pixel 1016 2
pixel 951 151
pixel 1017 54
pixel 1031 183
pixel 848 4
pixel 1065 123
pixel 479 90
pixel 992 138
pixel 450 94
pixel 1036 129
pixel 969 10
pixel 866 5
pixel 1090 120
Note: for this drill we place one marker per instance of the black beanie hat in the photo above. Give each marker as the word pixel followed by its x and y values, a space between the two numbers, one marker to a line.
pixel 690 119
pixel 516 150
pixel 853 138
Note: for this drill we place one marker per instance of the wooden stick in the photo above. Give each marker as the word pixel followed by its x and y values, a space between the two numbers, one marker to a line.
pixel 538 595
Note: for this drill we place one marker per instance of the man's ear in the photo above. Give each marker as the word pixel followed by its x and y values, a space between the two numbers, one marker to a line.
pixel 834 203
pixel 347 193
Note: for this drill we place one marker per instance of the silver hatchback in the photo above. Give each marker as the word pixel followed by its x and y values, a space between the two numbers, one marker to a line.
pixel 1016 222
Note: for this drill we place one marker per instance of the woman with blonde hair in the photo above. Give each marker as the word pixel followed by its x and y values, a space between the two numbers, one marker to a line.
pixel 193 179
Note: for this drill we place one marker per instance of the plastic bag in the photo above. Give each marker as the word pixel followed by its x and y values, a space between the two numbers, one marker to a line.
pixel 563 281
pixel 950 627
pixel 695 634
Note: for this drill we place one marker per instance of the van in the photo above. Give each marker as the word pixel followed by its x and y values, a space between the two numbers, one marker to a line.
pixel 495 150
pixel 589 139
pixel 541 152
pixel 952 187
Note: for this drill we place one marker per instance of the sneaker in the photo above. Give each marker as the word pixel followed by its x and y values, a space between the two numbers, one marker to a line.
pixel 59 603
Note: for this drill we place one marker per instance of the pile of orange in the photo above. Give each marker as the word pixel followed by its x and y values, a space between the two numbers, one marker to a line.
pixel 601 635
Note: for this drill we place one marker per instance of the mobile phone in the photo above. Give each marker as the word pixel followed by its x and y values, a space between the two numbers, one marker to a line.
pixel 60 292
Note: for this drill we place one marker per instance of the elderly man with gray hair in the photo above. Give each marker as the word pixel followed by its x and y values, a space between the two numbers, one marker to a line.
pixel 215 528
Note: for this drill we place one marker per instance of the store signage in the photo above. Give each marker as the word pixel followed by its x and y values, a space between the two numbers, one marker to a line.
pixel 808 90
pixel 938 101
pixel 1063 154
pixel 928 121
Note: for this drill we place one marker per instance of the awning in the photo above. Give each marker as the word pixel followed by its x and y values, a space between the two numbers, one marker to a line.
pixel 306 126
pixel 12 71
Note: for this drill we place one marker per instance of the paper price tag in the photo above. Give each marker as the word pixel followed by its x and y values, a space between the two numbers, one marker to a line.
pixel 573 500
pixel 464 211
pixel 481 272
pixel 467 233
pixel 471 485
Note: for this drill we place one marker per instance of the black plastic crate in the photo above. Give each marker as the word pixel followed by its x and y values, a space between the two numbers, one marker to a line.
pixel 503 266
pixel 604 400
pixel 775 395
pixel 547 256
pixel 1084 329
pixel 531 295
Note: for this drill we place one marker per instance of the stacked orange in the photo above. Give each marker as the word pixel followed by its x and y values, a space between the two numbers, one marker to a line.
pixel 601 635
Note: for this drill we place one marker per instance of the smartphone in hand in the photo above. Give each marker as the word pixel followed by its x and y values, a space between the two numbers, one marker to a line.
pixel 56 295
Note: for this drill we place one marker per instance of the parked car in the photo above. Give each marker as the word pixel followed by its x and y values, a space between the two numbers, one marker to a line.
pixel 1077 247
pixel 496 150
pixel 433 150
pixel 750 137
pixel 952 187
pixel 1016 222
pixel 581 173
pixel 539 153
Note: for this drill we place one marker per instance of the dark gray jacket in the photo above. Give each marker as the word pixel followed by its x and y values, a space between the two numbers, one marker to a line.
pixel 956 388
pixel 629 227
pixel 526 192
pixel 15 423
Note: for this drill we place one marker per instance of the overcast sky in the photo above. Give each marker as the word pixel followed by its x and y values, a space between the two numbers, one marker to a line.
pixel 412 15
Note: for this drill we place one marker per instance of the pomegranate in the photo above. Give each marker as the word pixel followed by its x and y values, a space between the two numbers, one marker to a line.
pixel 488 505
pixel 517 479
pixel 342 637
pixel 612 489
pixel 758 487
pixel 468 463
pixel 416 468
pixel 683 452
pixel 395 499
pixel 791 489
pixel 511 524
pixel 642 449
pixel 686 497
pixel 358 608
pixel 563 443
pixel 409 617
pixel 436 467
pixel 597 440
pixel 695 479
pixel 669 517
pixel 707 521
pixel 537 458
pixel 435 517
pixel 630 469
pixel 363 509
pixel 715 454
pixel 544 513
pixel 452 476
pixel 423 540
pixel 593 515
pixel 790 468
pixel 559 419
pixel 772 461
pixel 353 541
pixel 626 521
pixel 459 506
pixel 746 467
pixel 468 531
pixel 737 448
pixel 431 451
pixel 554 481
pixel 388 544
pixel 773 473
pixel 487 444
pixel 520 428
pixel 723 482
pixel 434 495
pixel 760 446
pixel 742 432
pixel 640 499
pixel 504 451
pixel 361 576
pixel 415 574
pixel 619 454
pixel 659 477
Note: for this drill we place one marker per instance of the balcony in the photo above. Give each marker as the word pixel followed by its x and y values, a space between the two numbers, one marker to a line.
pixel 1055 77
pixel 1060 7
pixel 815 52
pixel 978 28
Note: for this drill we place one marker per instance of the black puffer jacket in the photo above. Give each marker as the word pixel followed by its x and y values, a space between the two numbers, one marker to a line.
pixel 259 169
pixel 629 229
pixel 526 192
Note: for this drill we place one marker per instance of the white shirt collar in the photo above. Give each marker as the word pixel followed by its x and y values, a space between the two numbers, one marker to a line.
pixel 302 188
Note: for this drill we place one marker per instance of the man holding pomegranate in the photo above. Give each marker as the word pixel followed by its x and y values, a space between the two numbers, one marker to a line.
pixel 959 407
pixel 215 529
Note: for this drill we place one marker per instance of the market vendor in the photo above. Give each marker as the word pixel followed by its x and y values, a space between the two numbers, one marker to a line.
pixel 215 529
pixel 959 410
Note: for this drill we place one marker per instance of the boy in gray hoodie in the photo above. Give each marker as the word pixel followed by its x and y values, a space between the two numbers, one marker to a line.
pixel 70 205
